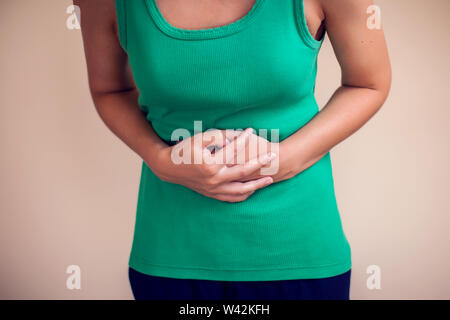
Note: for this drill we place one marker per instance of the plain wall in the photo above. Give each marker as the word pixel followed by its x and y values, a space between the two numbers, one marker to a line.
pixel 68 187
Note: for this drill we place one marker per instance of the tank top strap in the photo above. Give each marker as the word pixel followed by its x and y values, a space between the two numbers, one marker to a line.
pixel 286 14
pixel 302 26
pixel 290 14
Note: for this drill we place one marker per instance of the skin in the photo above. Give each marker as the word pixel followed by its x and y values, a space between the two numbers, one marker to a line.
pixel 365 83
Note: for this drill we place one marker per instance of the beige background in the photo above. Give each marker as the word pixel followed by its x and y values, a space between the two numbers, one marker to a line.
pixel 68 187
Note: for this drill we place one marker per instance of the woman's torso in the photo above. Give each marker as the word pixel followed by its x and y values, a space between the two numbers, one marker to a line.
pixel 257 72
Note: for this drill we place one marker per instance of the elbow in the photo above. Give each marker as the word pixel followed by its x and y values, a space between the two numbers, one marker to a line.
pixel 378 84
pixel 103 98
pixel 384 85
pixel 383 82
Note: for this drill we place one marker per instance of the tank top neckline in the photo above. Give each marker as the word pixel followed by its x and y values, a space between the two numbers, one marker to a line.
pixel 199 34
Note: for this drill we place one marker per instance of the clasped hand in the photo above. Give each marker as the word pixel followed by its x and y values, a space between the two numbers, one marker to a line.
pixel 220 164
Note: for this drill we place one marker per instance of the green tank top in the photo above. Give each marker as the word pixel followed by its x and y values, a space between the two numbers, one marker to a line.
pixel 256 72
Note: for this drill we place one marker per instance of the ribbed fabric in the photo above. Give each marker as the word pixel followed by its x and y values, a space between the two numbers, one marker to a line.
pixel 257 72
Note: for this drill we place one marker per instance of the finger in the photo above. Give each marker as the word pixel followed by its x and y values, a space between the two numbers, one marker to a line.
pixel 241 188
pixel 214 147
pixel 232 198
pixel 240 171
pixel 204 144
pixel 231 134
pixel 252 176
pixel 213 137
pixel 213 140
pixel 229 152
pixel 255 175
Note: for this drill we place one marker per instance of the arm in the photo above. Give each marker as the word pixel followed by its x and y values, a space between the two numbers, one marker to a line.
pixel 111 82
pixel 116 100
pixel 366 78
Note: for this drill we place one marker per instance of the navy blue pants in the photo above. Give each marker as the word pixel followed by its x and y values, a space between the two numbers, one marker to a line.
pixel 147 287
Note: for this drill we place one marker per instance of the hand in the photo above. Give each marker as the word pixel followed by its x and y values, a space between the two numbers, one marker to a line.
pixel 285 166
pixel 212 173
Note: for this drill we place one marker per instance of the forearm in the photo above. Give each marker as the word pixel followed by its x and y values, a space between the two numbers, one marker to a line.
pixel 348 110
pixel 121 114
pixel 365 76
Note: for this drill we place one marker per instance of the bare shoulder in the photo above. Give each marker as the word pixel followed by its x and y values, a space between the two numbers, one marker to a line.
pixel 361 50
pixel 97 12
pixel 342 7
pixel 107 63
